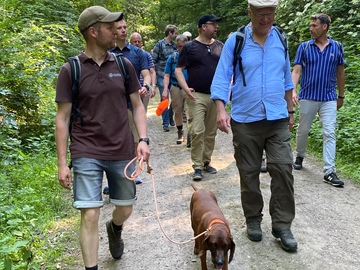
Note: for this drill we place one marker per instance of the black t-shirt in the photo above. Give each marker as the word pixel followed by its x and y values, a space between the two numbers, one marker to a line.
pixel 200 60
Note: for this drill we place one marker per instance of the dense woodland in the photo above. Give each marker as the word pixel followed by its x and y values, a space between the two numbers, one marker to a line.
pixel 37 37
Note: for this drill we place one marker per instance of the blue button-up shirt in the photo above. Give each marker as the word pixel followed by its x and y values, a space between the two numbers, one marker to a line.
pixel 267 75
pixel 135 55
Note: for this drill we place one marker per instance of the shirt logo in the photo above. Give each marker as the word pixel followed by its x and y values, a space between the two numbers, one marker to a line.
pixel 114 75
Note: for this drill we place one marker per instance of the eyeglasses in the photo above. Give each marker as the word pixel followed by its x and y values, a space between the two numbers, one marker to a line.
pixel 270 15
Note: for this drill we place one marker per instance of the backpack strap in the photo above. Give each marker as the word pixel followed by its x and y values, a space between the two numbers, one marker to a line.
pixel 120 61
pixel 173 56
pixel 282 37
pixel 75 77
pixel 304 52
pixel 239 45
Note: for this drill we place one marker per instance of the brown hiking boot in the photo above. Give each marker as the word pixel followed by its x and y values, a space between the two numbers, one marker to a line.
pixel 180 138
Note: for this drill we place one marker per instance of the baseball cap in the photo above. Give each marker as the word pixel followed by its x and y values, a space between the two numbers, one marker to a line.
pixel 187 33
pixel 206 18
pixel 96 14
pixel 263 3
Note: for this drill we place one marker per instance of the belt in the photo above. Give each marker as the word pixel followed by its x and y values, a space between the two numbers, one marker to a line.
pixel 176 85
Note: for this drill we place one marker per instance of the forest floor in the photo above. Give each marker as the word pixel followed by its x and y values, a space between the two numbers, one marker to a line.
pixel 326 226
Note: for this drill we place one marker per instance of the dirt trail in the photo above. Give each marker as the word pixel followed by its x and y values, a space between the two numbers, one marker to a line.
pixel 327 223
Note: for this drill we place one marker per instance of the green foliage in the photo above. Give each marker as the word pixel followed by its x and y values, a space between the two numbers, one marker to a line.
pixel 38 37
pixel 29 199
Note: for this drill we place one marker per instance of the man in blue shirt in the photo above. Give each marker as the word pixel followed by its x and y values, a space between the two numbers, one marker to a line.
pixel 178 96
pixel 261 115
pixel 136 40
pixel 321 62
pixel 138 59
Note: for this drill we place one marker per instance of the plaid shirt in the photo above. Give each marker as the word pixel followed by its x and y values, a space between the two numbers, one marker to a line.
pixel 161 52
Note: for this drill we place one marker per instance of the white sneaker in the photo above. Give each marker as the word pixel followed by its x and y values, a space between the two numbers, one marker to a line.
pixel 138 180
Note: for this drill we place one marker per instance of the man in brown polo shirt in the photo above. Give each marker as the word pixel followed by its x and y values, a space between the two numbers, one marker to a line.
pixel 101 141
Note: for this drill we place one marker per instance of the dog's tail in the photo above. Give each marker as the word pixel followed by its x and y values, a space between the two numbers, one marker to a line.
pixel 195 188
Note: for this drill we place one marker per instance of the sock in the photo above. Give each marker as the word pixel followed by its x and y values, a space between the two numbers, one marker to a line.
pixel 91 268
pixel 179 127
pixel 116 227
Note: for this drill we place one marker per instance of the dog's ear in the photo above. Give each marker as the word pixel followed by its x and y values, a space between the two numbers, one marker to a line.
pixel 205 242
pixel 232 250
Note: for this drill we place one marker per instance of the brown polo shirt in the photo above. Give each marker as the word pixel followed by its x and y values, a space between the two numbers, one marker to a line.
pixel 106 133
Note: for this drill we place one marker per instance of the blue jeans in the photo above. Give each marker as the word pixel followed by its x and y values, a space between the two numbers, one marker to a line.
pixel 327 114
pixel 168 113
pixel 88 177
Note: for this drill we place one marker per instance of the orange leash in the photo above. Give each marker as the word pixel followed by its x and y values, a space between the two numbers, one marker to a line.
pixel 139 168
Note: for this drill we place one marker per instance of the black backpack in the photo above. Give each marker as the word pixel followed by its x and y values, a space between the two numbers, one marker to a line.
pixel 240 42
pixel 75 76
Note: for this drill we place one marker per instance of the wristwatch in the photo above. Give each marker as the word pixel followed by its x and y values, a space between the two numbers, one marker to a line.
pixel 144 140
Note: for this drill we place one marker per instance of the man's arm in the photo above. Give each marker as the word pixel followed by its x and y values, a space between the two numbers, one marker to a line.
pixel 166 81
pixel 340 81
pixel 290 107
pixel 153 81
pixel 139 115
pixel 62 122
pixel 295 78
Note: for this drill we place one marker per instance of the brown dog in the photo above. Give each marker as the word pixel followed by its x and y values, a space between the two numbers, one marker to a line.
pixel 206 215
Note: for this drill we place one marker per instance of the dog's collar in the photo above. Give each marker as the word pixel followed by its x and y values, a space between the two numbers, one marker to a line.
pixel 214 221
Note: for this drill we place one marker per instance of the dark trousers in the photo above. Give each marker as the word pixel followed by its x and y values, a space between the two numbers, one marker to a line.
pixel 249 140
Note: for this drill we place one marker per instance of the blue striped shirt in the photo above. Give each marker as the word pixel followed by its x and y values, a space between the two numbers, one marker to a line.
pixel 318 75
pixel 267 75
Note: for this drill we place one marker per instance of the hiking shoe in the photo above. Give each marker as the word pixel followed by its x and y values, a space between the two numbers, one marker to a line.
pixel 298 163
pixel 116 244
pixel 138 180
pixel 208 168
pixel 263 166
pixel 197 175
pixel 253 230
pixel 332 179
pixel 188 140
pixel 166 128
pixel 106 190
pixel 287 240
pixel 180 138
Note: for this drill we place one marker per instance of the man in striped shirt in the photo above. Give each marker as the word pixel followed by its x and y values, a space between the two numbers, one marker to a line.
pixel 320 62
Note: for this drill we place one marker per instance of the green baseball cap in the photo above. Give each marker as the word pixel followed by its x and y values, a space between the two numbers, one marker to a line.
pixel 96 14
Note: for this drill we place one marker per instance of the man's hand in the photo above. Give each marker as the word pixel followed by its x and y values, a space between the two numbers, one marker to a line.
pixel 64 177
pixel 223 121
pixel 143 151
pixel 189 92
pixel 143 91
pixel 295 98
pixel 291 121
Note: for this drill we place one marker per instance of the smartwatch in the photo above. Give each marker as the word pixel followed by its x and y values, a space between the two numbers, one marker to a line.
pixel 144 140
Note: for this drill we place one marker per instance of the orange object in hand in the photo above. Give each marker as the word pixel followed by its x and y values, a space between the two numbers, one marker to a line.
pixel 162 106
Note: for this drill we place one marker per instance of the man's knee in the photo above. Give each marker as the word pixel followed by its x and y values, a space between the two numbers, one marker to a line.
pixel 90 215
